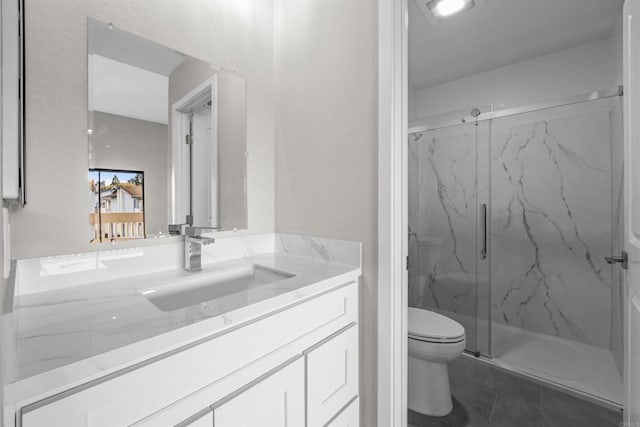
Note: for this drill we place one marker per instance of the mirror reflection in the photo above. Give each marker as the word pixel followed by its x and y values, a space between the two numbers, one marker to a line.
pixel 167 139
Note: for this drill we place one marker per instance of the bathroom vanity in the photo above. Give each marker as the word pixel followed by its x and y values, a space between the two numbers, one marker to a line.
pixel 266 334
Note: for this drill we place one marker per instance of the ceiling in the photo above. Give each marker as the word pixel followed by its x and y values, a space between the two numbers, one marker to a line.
pixel 499 33
pixel 133 50
pixel 128 91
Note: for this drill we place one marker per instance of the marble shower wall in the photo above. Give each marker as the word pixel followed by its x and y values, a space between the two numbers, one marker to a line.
pixel 552 221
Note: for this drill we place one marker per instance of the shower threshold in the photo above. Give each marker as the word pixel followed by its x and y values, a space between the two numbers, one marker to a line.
pixel 588 370
pixel 580 369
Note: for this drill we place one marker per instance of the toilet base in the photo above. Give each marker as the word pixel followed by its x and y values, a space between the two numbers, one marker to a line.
pixel 429 392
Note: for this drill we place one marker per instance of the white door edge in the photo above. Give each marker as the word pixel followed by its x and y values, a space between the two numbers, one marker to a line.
pixel 392 213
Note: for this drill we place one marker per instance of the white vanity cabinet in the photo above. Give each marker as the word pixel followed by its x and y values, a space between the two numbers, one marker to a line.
pixel 294 367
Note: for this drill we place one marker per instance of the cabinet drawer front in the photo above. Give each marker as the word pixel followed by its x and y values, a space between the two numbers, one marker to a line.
pixel 349 417
pixel 332 377
pixel 276 401
pixel 135 394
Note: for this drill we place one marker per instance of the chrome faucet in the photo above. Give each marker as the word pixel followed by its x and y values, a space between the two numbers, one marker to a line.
pixel 193 241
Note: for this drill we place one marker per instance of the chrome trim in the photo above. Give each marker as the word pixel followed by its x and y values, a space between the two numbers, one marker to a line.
pixel 22 186
pixel 483 213
pixel 623 259
pixel 592 96
pixel 436 340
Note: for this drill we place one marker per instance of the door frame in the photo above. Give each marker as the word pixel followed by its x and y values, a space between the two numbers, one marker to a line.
pixel 392 213
pixel 631 344
pixel 179 164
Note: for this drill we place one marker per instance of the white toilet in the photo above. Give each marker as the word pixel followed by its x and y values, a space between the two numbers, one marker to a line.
pixel 434 341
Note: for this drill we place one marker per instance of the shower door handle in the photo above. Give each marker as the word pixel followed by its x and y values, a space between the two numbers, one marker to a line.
pixel 623 259
pixel 483 213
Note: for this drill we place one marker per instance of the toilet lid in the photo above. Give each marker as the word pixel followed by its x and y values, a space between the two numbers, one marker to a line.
pixel 426 325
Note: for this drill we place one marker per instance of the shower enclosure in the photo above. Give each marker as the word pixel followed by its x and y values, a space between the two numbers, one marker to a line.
pixel 511 215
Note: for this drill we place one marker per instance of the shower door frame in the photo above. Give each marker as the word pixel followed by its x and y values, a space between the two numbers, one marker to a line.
pixel 488 116
pixel 591 96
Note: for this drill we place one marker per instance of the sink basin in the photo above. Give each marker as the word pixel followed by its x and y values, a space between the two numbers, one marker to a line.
pixel 206 286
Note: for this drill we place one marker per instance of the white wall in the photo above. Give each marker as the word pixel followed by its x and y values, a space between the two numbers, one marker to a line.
pixel 231 150
pixel 326 141
pixel 574 71
pixel 236 35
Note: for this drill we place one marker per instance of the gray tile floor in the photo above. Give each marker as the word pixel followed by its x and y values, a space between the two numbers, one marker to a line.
pixel 486 396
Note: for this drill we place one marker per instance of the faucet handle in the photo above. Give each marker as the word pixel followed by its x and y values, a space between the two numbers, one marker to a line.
pixel 176 229
pixel 196 230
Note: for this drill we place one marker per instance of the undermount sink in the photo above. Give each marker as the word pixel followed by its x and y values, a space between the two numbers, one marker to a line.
pixel 206 286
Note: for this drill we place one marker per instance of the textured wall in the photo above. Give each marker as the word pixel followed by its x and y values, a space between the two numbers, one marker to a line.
pixel 232 34
pixel 326 141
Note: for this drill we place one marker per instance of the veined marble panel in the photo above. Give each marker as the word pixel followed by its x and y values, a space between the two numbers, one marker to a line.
pixel 331 250
pixel 552 221
pixel 445 248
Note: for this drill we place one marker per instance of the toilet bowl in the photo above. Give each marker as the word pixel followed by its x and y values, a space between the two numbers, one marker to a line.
pixel 434 341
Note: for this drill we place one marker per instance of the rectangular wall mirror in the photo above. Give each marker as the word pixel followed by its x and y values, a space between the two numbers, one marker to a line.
pixel 167 139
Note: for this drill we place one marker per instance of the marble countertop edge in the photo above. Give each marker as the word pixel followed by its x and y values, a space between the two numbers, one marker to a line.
pixel 34 388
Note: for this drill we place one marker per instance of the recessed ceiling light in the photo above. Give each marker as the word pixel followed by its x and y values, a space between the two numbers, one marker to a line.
pixel 449 7
pixel 445 8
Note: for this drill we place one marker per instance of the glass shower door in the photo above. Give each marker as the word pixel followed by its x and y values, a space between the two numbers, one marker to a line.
pixel 448 194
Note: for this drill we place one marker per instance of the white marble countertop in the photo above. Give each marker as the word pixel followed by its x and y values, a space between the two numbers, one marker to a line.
pixel 59 339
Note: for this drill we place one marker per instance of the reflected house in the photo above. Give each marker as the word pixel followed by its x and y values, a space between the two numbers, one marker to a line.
pixel 124 197
pixel 118 211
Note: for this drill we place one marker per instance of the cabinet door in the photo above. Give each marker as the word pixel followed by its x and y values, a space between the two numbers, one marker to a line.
pixel 332 376
pixel 349 417
pixel 274 401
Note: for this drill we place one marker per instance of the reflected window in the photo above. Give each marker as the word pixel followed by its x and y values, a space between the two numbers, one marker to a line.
pixel 116 205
